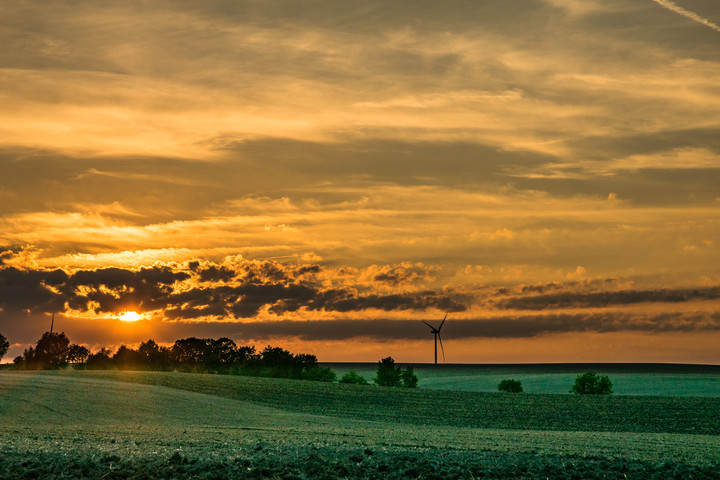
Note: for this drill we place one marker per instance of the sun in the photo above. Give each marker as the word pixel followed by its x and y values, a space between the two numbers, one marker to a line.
pixel 130 316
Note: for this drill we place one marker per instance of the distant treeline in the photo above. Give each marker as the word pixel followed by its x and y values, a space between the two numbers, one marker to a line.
pixel 202 355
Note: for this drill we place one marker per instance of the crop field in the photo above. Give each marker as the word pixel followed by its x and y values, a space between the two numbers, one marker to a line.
pixel 161 425
pixel 628 379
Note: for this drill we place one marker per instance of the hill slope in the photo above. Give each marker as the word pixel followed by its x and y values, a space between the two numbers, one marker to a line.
pixel 173 425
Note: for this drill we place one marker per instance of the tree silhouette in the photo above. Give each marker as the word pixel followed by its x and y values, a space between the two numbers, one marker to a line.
pixel 99 360
pixel 77 354
pixel 153 356
pixel 189 352
pixel 4 345
pixel 127 359
pixel 51 351
pixel 592 384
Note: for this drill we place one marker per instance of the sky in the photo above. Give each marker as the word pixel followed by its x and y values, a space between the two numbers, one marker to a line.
pixel 324 176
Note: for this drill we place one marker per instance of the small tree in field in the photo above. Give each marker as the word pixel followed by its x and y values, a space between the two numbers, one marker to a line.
pixel 510 386
pixel 409 379
pixel 387 374
pixel 592 384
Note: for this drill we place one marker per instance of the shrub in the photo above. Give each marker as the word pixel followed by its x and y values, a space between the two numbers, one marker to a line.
pixel 409 379
pixel 592 384
pixel 353 378
pixel 510 386
pixel 318 374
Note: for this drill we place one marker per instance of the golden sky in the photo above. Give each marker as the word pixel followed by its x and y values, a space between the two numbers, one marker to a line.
pixel 324 175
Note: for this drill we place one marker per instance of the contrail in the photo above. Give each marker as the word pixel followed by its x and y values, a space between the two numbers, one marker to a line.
pixel 670 5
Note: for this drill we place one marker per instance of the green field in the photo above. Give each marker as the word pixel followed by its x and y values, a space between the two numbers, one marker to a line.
pixel 173 425
pixel 628 379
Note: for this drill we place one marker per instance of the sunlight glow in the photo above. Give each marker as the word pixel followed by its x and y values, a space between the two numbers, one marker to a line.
pixel 129 316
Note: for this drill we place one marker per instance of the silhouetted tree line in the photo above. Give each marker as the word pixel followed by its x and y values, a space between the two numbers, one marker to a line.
pixel 202 355
pixel 4 345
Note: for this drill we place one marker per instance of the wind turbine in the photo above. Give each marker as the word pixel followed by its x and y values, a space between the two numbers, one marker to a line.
pixel 52 322
pixel 436 333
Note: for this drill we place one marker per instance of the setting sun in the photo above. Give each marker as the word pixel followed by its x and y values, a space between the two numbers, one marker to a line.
pixel 129 316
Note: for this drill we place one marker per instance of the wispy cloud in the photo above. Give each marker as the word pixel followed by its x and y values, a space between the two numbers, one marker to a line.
pixel 672 6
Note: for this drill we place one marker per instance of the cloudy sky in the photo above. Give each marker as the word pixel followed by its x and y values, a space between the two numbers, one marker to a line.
pixel 325 175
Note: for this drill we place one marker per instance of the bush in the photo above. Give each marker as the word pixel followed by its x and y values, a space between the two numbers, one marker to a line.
pixel 592 384
pixel 409 379
pixel 510 386
pixel 318 374
pixel 353 378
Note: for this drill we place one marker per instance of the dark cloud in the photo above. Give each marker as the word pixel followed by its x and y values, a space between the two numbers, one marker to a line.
pixel 605 299
pixel 201 290
pixel 214 273
pixel 500 327
pixel 28 290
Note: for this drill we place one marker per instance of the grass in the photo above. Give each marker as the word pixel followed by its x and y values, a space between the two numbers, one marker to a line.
pixel 628 379
pixel 173 425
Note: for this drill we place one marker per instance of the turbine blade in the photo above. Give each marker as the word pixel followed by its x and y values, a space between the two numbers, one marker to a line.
pixel 426 323
pixel 441 324
pixel 441 347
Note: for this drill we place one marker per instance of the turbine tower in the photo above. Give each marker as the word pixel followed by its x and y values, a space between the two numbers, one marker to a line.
pixel 436 333
pixel 52 322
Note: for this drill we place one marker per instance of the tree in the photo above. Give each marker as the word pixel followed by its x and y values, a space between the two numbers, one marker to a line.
pixel 189 352
pixel 353 378
pixel 99 360
pixel 387 375
pixel 279 362
pixel 51 351
pixel 77 354
pixel 4 345
pixel 154 356
pixel 592 384
pixel 221 354
pixel 409 379
pixel 127 359
pixel 510 386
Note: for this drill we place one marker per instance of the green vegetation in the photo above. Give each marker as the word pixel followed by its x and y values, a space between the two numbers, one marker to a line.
pixel 591 383
pixel 353 378
pixel 53 350
pixel 162 425
pixel 630 379
pixel 206 355
pixel 389 375
pixel 434 407
pixel 510 386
